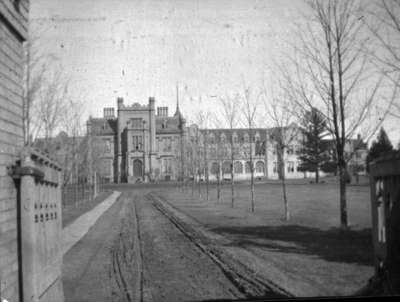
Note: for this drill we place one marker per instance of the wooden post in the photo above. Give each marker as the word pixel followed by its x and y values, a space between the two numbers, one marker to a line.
pixel 27 230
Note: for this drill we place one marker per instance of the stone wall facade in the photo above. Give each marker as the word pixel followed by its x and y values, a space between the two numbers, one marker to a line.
pixel 139 144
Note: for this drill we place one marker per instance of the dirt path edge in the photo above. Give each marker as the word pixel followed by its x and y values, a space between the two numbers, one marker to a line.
pixel 243 277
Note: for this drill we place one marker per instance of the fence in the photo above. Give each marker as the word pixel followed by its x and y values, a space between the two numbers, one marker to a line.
pixel 385 207
pixel 74 194
pixel 38 181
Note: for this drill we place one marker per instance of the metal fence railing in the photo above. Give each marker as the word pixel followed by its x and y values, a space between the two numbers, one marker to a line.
pixel 74 194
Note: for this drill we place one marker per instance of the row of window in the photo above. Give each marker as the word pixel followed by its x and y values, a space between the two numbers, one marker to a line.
pixel 259 148
pixel 137 123
pixel 290 167
pixel 137 141
pixel 244 139
pixel 164 144
pixel 237 167
pixel 292 149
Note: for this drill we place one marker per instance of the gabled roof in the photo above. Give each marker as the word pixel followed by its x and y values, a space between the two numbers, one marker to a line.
pixel 169 125
pixel 103 126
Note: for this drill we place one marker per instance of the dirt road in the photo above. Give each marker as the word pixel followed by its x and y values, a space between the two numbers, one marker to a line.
pixel 85 265
pixel 174 269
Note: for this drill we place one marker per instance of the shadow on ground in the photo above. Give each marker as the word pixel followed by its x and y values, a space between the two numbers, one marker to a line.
pixel 349 246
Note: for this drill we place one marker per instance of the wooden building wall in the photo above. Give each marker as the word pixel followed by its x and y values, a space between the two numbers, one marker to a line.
pixel 13 32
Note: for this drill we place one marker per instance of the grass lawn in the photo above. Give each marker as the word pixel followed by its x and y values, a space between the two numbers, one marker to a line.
pixel 73 211
pixel 309 254
pixel 311 205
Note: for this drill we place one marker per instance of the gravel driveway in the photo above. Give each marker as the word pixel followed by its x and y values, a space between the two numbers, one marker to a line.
pixel 174 269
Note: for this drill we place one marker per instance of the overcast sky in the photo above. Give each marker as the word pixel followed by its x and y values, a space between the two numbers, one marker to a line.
pixel 142 48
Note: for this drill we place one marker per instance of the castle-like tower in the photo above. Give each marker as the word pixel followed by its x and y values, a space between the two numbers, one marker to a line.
pixel 139 144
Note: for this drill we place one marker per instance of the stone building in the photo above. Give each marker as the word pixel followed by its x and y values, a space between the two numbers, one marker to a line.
pixel 13 33
pixel 263 148
pixel 142 144
pixel 138 143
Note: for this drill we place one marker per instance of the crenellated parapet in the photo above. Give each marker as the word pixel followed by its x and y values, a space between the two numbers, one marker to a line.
pixel 134 107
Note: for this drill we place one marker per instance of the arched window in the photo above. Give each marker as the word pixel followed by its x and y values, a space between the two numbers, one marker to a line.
pixel 213 152
pixel 235 138
pixel 238 167
pixel 223 138
pixel 215 168
pixel 260 167
pixel 226 167
pixel 247 168
pixel 212 139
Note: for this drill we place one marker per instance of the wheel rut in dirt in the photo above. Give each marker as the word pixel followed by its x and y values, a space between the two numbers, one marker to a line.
pixel 244 279
pixel 174 269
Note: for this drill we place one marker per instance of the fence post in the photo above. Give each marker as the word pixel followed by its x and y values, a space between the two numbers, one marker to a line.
pixel 39 211
pixel 385 207
pixel 28 238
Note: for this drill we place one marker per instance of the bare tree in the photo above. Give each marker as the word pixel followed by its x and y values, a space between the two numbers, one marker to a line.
pixel 196 152
pixel 230 115
pixel 218 153
pixel 203 119
pixel 332 71
pixel 75 149
pixel 283 133
pixel 385 26
pixel 250 105
pixel 49 107
pixel 190 155
pixel 38 71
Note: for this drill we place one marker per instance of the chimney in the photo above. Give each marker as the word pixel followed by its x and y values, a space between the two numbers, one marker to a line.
pixel 152 102
pixel 109 112
pixel 120 102
pixel 162 111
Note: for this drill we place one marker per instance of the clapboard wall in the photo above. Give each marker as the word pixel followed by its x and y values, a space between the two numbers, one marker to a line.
pixel 13 32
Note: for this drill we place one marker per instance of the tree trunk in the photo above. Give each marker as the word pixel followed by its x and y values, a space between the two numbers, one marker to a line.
pixel 343 201
pixel 199 184
pixel 285 200
pixel 251 171
pixel 283 181
pixel 317 175
pixel 207 182
pixel 193 181
pixel 252 186
pixel 218 187
pixel 232 172
pixel 232 191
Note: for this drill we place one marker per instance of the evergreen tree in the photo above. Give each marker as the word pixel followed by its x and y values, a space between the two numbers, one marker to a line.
pixel 313 152
pixel 378 147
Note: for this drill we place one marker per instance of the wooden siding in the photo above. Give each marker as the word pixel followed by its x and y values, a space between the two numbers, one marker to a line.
pixel 13 31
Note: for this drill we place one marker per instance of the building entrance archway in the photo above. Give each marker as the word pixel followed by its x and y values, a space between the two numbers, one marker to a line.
pixel 137 168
